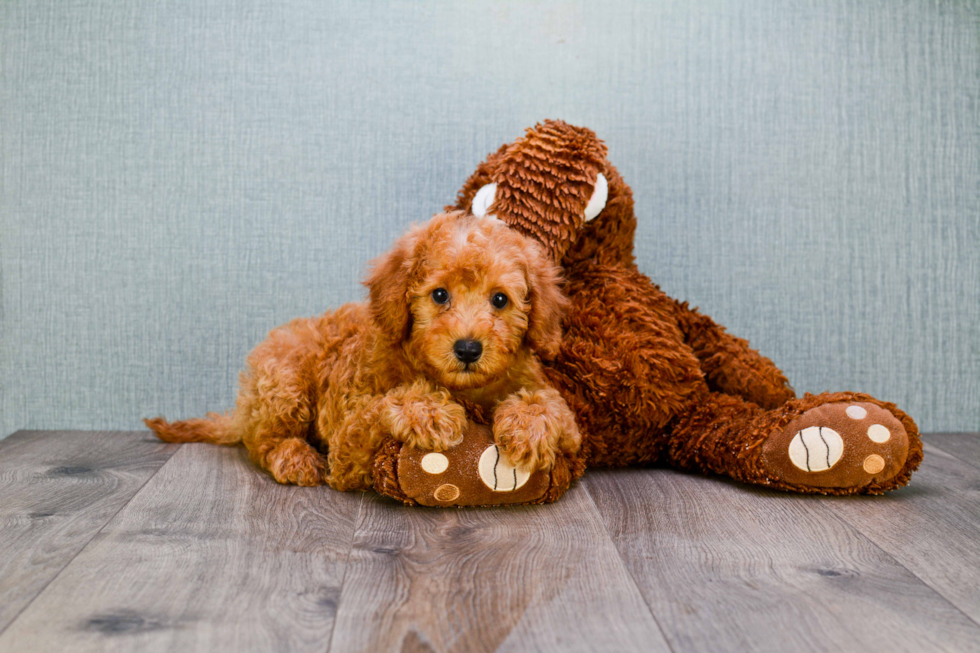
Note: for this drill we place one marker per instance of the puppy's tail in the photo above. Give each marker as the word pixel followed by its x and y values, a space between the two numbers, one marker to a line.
pixel 216 428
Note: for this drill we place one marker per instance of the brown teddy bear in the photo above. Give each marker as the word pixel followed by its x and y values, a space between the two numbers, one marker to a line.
pixel 649 378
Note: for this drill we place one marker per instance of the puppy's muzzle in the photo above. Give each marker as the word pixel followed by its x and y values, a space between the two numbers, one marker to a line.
pixel 468 351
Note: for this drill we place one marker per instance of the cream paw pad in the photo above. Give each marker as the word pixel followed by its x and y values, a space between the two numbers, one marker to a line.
pixel 838 445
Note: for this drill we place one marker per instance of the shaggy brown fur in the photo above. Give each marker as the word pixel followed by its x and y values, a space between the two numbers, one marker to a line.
pixel 650 378
pixel 319 395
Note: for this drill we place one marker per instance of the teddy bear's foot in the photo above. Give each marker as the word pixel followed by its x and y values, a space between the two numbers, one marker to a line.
pixel 473 473
pixel 838 445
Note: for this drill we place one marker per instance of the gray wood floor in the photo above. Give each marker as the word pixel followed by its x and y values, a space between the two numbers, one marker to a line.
pixel 115 541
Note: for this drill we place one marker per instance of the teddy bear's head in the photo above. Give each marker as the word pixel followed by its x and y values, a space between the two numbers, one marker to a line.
pixel 556 185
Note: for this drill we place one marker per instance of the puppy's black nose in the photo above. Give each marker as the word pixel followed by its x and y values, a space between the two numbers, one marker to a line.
pixel 468 351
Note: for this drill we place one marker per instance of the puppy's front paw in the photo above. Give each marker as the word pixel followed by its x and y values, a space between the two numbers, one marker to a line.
pixel 430 421
pixel 533 427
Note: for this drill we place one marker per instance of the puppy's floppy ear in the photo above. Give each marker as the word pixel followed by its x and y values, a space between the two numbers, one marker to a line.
pixel 548 303
pixel 388 285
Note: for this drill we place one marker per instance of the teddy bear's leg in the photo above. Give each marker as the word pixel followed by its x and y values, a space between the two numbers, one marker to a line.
pixel 841 443
pixel 729 364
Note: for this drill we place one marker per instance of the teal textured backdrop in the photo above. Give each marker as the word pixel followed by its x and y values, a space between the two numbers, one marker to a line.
pixel 177 179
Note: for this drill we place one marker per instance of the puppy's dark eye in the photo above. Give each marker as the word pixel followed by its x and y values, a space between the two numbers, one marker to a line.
pixel 499 300
pixel 440 295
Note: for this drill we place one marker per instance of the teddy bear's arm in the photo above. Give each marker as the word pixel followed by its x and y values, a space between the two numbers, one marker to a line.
pixel 729 364
pixel 623 359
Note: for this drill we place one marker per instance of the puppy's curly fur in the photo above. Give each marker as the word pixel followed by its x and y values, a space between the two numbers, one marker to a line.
pixel 319 395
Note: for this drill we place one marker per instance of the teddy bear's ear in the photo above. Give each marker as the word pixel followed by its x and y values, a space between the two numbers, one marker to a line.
pixel 599 196
pixel 388 285
pixel 483 200
pixel 548 304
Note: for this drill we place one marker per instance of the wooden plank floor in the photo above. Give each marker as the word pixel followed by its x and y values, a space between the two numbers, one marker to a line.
pixel 115 541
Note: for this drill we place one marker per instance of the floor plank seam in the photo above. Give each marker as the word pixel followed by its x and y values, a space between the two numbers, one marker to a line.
pixel 898 562
pixel 95 535
pixel 626 567
pixel 343 580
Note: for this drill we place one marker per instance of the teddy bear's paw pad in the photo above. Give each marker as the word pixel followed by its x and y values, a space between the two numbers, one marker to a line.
pixel 446 493
pixel 839 445
pixel 497 473
pixel 816 448
pixel 435 463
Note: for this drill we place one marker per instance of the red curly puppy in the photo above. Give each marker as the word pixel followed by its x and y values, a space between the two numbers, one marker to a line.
pixel 460 308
